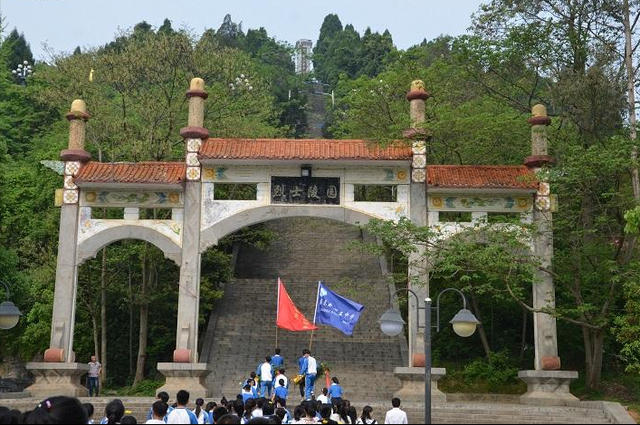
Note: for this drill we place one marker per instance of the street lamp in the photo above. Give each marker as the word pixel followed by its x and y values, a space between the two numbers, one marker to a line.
pixel 22 72
pixel 464 324
pixel 9 313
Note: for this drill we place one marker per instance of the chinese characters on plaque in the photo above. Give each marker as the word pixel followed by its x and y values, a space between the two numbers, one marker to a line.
pixel 305 190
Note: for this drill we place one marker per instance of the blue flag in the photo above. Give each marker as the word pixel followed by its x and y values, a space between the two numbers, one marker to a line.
pixel 337 311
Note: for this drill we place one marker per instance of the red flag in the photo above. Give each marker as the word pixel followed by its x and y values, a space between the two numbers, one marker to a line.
pixel 289 317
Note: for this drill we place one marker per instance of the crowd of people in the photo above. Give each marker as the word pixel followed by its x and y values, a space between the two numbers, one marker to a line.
pixel 263 399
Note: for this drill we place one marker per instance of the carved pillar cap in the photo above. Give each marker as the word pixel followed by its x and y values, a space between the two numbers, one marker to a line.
pixel 197 93
pixel 418 91
pixel 418 95
pixel 540 116
pixel 194 133
pixel 196 84
pixel 539 161
pixel 78 111
pixel 75 155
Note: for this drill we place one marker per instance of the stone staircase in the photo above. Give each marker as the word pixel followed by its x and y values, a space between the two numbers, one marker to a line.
pixel 307 250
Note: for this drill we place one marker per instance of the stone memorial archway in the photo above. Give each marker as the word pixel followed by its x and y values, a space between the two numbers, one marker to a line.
pixel 290 178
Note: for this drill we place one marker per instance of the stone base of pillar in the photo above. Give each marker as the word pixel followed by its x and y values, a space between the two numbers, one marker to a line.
pixel 413 384
pixel 548 388
pixel 185 376
pixel 57 379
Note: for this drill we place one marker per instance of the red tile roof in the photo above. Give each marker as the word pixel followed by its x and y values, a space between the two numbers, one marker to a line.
pixel 163 173
pixel 299 149
pixel 481 177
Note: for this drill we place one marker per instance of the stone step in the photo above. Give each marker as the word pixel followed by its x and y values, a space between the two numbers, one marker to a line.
pixel 307 250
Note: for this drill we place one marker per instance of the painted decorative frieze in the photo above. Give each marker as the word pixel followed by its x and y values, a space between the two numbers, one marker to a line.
pixel 481 203
pixel 130 199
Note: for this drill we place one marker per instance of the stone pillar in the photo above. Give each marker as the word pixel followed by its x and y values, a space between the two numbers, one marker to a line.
pixel 418 274
pixel 59 373
pixel 185 372
pixel 547 384
pixel 545 331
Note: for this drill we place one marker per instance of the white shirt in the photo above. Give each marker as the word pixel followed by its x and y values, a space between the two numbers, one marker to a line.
pixel 265 372
pixel 257 413
pixel 323 399
pixel 155 421
pixel 396 416
pixel 181 416
pixel 203 418
pixel 312 369
pixel 286 381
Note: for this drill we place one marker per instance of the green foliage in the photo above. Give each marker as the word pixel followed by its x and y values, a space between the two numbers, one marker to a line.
pixel 497 371
pixel 146 388
pixel 18 50
pixel 343 53
pixel 627 328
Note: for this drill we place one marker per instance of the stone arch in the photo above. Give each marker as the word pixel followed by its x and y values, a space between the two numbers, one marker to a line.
pixel 90 247
pixel 213 234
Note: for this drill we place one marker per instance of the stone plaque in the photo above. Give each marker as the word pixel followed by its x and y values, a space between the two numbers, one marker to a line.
pixel 305 190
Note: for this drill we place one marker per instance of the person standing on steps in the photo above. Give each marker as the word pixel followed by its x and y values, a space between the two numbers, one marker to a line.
pixel 335 391
pixel 277 361
pixel 280 374
pixel 266 378
pixel 309 369
pixel 301 367
pixel 93 382
pixel 395 415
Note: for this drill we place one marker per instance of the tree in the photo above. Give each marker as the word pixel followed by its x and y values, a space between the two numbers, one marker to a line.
pixel 576 71
pixel 18 49
pixel 166 28
pixel 331 26
pixel 230 33
pixel 375 53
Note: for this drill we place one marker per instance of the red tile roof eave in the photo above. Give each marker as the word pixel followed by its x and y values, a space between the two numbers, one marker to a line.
pixel 300 149
pixel 482 177
pixel 144 173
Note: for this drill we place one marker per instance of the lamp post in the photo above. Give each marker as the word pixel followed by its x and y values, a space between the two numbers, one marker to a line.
pixel 9 313
pixel 464 325
pixel 22 72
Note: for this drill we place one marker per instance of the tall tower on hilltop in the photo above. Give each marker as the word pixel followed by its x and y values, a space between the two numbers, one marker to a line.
pixel 303 56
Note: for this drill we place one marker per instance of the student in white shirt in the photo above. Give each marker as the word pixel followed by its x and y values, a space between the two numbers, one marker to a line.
pixel 181 414
pixel 395 415
pixel 323 398
pixel 266 378
pixel 201 414
pixel 280 375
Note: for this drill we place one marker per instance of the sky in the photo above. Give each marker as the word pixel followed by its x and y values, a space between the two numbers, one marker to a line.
pixel 65 24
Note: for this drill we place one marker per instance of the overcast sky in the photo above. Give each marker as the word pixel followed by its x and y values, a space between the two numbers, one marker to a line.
pixel 65 24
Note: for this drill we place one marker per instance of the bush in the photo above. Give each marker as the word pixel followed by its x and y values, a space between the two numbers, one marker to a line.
pixel 497 370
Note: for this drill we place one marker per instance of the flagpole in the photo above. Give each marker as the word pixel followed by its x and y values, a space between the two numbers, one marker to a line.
pixel 315 315
pixel 278 312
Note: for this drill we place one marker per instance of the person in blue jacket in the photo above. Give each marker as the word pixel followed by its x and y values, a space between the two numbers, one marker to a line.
pixel 277 361
pixel 335 391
